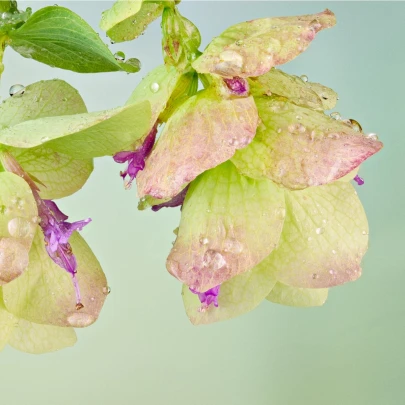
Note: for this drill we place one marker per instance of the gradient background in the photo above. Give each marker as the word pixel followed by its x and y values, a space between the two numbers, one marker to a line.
pixel 143 350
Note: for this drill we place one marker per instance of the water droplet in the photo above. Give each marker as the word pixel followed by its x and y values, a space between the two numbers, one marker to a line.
pixel 315 276
pixel 17 90
pixel 106 290
pixel 232 245
pixel 336 116
pixel 320 231
pixel 154 87
pixel 92 299
pixel 364 232
pixel 331 271
pixel 44 139
pixel 204 241
pixel 280 213
pixel 80 320
pixel 279 130
pixel 304 78
pixel 208 210
pixel 79 306
pixel 233 142
pixel 298 117
pixel 214 260
pixel 334 251
pixel 239 42
pixel 372 136
pixel 355 125
pixel 19 227
pixel 64 99
pixel 120 56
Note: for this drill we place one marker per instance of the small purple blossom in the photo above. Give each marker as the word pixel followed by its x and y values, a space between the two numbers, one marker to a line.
pixel 174 202
pixel 136 158
pixel 57 232
pixel 359 180
pixel 208 297
pixel 237 85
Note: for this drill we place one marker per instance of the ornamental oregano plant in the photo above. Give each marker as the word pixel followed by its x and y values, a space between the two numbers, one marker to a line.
pixel 262 174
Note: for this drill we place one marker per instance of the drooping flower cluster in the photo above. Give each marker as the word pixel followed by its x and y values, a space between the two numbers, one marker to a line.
pixel 262 173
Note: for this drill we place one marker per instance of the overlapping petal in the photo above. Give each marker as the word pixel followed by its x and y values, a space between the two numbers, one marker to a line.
pixel 252 48
pixel 229 224
pixel 204 132
pixel 298 147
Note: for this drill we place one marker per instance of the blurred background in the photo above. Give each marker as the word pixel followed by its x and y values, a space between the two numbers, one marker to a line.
pixel 143 350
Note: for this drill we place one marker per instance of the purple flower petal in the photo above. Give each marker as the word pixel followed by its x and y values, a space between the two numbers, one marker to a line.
pixel 359 180
pixel 237 85
pixel 136 158
pixel 208 297
pixel 174 202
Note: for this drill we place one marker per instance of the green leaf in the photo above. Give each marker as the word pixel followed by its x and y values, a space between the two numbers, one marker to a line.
pixel 18 216
pixel 127 19
pixel 297 297
pixel 252 48
pixel 298 147
pixel 60 174
pixel 237 296
pixel 60 38
pixel 229 224
pixel 83 136
pixel 45 293
pixel 47 98
pixel 156 87
pixel 324 238
pixel 306 94
pixel 204 132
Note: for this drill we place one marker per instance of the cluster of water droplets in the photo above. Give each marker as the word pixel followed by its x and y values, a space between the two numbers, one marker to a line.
pixel 134 62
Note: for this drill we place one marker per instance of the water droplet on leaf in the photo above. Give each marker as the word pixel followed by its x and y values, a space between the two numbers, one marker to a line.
pixel 106 290
pixel 320 231
pixel 336 116
pixel 372 136
pixel 154 87
pixel 304 78
pixel 120 56
pixel 16 90
pixel 19 227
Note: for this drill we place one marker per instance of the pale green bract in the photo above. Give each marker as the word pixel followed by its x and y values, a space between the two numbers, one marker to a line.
pixel 58 37
pixel 252 48
pixel 60 174
pixel 83 136
pixel 297 297
pixel 44 294
pixel 204 131
pixel 18 216
pixel 306 94
pixel 298 147
pixel 324 238
pixel 238 295
pixel 229 224
pixel 30 337
pixel 127 19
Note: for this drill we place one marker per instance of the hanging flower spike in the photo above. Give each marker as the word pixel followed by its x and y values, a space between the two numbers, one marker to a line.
pixel 54 226
pixel 56 234
pixel 208 297
pixel 174 202
pixel 136 158
pixel 359 180
pixel 238 86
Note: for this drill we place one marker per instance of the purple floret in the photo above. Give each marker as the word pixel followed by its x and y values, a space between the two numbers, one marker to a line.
pixel 136 158
pixel 57 232
pixel 237 85
pixel 174 202
pixel 208 297
pixel 359 180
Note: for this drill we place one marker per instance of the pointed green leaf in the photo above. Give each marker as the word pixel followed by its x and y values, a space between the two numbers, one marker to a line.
pixel 156 87
pixel 229 224
pixel 306 94
pixel 45 293
pixel 58 37
pixel 127 19
pixel 18 216
pixel 83 136
pixel 33 338
pixel 7 323
pixel 324 238
pixel 61 175
pixel 237 296
pixel 204 132
pixel 297 297
pixel 47 98
pixel 252 48
pixel 298 147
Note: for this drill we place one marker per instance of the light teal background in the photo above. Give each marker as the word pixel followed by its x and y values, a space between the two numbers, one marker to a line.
pixel 143 350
